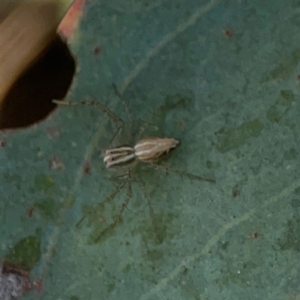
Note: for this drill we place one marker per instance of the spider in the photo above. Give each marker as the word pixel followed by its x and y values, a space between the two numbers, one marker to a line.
pixel 126 159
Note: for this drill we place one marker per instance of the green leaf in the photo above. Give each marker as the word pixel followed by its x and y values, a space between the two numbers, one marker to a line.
pixel 26 253
pixel 167 69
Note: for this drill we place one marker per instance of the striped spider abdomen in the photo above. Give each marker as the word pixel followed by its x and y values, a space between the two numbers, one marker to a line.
pixel 151 149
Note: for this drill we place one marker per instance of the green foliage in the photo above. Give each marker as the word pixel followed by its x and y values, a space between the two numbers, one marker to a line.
pixel 232 102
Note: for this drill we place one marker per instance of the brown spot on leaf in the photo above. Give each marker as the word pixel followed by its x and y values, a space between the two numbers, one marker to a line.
pixel 228 33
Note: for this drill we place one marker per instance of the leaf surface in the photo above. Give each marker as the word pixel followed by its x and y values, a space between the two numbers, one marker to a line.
pixel 231 100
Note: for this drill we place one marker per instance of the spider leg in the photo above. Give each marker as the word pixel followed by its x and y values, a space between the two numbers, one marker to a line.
pixel 118 218
pixel 118 94
pixel 96 103
pixel 151 211
pixel 106 200
pixel 182 173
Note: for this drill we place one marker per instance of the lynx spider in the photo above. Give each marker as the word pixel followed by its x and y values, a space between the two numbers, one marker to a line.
pixel 147 150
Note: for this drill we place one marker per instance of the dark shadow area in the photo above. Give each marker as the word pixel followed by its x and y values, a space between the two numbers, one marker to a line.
pixel 30 99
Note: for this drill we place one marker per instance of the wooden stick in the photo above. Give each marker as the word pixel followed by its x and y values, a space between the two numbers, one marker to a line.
pixel 24 35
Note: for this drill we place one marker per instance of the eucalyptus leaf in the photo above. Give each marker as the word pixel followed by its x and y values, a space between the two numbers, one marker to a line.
pixel 219 76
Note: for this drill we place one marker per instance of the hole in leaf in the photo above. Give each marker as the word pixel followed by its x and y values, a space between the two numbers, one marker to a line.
pixel 30 99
